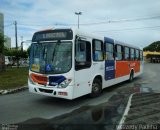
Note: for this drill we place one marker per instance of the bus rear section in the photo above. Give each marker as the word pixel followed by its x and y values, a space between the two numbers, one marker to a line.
pixel 122 62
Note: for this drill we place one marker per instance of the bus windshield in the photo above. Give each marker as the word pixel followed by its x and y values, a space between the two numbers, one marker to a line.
pixel 51 58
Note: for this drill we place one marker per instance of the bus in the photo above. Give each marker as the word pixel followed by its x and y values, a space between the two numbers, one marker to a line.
pixel 69 63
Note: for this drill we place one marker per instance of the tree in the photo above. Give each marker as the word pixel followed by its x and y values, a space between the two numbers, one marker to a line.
pixel 155 46
pixel 1 42
pixel 14 52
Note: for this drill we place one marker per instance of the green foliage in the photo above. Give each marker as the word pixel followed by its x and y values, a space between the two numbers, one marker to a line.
pixel 1 43
pixel 155 46
pixel 15 52
pixel 13 78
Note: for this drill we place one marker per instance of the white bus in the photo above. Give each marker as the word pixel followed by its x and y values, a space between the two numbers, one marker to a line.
pixel 68 63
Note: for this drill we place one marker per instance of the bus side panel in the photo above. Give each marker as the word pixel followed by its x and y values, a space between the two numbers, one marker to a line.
pixel 109 69
pixel 137 67
pixel 109 62
pixel 123 68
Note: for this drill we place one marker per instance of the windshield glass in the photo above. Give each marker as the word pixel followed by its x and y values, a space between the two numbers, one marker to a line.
pixel 51 58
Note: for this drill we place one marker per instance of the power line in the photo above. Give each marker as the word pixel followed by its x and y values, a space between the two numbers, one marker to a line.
pixel 92 23
pixel 8 25
pixel 135 19
pixel 122 20
pixel 151 27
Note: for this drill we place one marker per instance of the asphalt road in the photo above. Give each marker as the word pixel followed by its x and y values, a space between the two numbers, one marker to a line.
pixel 21 106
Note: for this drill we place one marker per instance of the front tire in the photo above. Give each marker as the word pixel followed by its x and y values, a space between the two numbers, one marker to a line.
pixel 96 88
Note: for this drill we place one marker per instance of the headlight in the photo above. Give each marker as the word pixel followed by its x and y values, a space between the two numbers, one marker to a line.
pixel 30 80
pixel 65 83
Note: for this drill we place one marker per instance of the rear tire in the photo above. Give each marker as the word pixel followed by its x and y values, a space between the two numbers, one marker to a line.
pixel 96 88
pixel 131 76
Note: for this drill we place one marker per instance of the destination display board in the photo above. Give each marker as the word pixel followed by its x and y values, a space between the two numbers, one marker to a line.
pixel 59 34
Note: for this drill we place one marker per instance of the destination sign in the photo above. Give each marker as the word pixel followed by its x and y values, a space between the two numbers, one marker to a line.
pixel 54 35
pixel 60 34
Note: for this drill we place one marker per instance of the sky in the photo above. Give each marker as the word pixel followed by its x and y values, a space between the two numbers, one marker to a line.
pixel 136 22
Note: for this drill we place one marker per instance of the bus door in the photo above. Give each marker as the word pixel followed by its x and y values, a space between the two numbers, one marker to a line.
pixel 83 71
pixel 109 59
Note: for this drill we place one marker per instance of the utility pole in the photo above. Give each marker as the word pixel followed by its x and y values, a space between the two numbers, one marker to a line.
pixel 78 13
pixel 15 23
pixel 22 43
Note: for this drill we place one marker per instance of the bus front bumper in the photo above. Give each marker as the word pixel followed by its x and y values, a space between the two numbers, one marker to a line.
pixel 65 93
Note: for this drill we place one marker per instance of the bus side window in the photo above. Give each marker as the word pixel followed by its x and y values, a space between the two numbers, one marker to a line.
pixel 137 55
pixel 132 54
pixel 82 55
pixel 97 50
pixel 126 53
pixel 109 51
pixel 119 55
pixel 81 52
pixel 141 55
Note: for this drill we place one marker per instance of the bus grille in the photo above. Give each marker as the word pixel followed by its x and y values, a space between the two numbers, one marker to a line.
pixel 45 90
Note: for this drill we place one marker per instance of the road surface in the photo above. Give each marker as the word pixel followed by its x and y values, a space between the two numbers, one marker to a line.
pixel 21 106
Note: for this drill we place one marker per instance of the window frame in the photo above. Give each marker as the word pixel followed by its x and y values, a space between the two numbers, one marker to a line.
pixel 137 58
pixel 141 55
pixel 122 50
pixel 94 49
pixel 110 52
pixel 79 65
pixel 132 54
pixel 127 53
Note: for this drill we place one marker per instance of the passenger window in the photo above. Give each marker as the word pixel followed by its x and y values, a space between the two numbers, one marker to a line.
pixel 97 50
pixel 137 55
pixel 109 51
pixel 141 55
pixel 126 54
pixel 81 51
pixel 132 55
pixel 82 54
pixel 119 52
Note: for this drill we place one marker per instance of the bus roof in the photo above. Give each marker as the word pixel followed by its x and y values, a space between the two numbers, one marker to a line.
pixel 90 35
pixel 126 44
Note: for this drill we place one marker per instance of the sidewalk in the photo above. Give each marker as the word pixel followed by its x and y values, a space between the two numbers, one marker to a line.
pixel 3 92
pixel 143 112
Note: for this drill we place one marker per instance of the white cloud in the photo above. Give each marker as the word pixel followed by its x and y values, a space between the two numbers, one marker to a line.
pixel 34 15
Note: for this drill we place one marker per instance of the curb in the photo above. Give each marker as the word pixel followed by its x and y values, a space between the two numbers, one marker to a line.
pixel 10 91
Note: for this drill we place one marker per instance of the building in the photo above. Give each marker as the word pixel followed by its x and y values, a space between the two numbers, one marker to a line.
pixel 1 23
pixel 152 57
pixel 7 42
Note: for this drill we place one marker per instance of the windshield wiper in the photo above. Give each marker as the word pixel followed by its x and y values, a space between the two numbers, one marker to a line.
pixel 55 48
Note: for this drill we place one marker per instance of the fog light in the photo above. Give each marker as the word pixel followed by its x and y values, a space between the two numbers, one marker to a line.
pixel 35 89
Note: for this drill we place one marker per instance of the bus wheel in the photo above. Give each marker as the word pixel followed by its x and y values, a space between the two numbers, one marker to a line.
pixel 96 88
pixel 131 76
